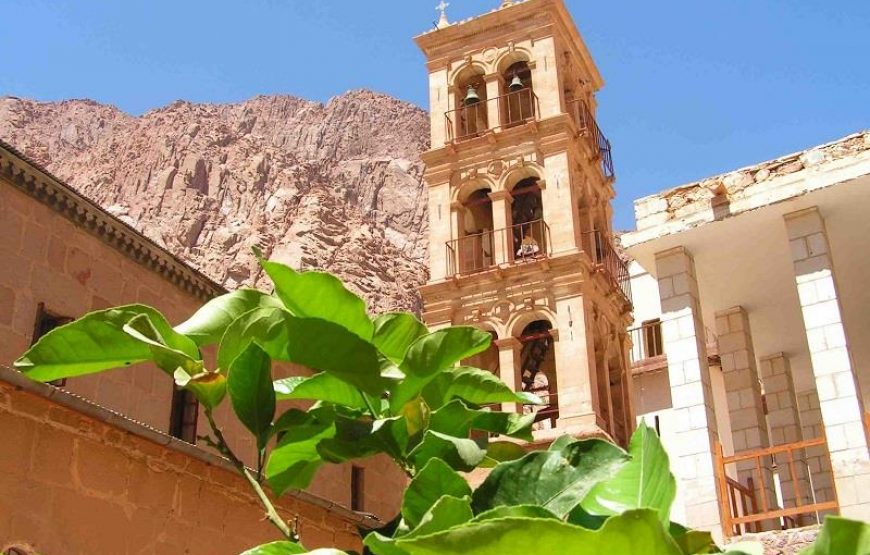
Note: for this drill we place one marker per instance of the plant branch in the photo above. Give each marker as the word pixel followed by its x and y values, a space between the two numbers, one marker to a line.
pixel 271 514
pixel 368 404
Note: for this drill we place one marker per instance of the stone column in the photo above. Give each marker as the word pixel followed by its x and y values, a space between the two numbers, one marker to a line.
pixel 509 367
pixel 559 213
pixel 691 394
pixel 745 407
pixel 501 221
pixel 493 91
pixel 783 421
pixel 575 364
pixel 841 405
pixel 818 461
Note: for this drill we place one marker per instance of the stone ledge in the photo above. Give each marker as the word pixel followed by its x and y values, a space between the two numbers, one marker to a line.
pixel 121 422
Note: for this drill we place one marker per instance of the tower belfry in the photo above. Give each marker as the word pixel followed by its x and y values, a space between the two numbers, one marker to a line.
pixel 520 181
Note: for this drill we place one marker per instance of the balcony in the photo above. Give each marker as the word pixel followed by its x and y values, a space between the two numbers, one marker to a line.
pixel 472 121
pixel 647 347
pixel 595 139
pixel 606 257
pixel 514 245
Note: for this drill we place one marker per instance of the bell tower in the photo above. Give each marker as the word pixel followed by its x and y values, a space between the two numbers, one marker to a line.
pixel 520 182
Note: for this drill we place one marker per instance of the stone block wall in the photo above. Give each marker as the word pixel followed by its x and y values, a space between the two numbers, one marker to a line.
pixel 79 480
pixel 46 258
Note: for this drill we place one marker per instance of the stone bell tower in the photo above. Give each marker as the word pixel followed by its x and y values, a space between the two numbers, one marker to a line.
pixel 520 181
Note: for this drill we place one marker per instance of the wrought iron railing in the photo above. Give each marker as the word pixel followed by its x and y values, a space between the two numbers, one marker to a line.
pixel 470 121
pixel 787 460
pixel 605 255
pixel 589 129
pixel 518 243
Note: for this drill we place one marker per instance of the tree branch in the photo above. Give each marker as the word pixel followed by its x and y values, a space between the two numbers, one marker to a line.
pixel 271 514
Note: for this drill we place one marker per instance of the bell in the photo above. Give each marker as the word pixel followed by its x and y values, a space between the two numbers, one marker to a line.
pixel 516 84
pixel 471 96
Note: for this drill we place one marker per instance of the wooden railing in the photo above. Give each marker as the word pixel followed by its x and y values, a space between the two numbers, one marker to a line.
pixel 734 520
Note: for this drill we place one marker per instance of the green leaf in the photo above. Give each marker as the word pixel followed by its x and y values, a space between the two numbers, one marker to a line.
pixel 320 387
pixel 433 353
pixel 457 420
pixel 475 386
pixel 528 511
pixel 447 512
pixel 165 357
pixel 460 453
pixel 207 325
pixel 295 460
pixel 502 451
pixel 645 482
pixel 561 442
pixel 311 342
pixel 751 548
pixel 95 342
pixel 435 479
pixel 394 333
pixel 249 383
pixel 693 542
pixel 556 480
pixel 210 388
pixel 319 295
pixel 277 548
pixel 629 533
pixel 841 536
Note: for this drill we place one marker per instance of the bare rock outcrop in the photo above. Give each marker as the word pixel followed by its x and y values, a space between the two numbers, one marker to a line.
pixel 335 186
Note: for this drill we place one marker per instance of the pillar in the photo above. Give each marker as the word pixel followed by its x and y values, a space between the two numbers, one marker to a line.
pixel 501 221
pixel 783 422
pixel 841 405
pixel 745 407
pixel 493 91
pixel 691 394
pixel 509 350
pixel 575 364
pixel 817 459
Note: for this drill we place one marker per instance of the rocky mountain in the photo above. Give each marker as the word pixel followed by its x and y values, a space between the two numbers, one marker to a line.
pixel 335 186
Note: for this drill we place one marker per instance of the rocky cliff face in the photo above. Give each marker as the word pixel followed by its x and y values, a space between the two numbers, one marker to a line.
pixel 335 187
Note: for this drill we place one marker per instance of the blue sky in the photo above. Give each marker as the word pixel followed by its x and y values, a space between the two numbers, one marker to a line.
pixel 693 88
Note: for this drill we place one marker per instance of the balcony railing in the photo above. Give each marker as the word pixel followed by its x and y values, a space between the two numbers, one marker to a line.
pixel 736 521
pixel 646 343
pixel 589 129
pixel 471 121
pixel 605 255
pixel 519 243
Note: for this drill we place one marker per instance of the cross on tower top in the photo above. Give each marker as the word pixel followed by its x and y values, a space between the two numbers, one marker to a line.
pixel 442 22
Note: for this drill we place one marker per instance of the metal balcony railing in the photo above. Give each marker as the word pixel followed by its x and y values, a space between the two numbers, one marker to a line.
pixel 589 129
pixel 472 121
pixel 512 245
pixel 604 254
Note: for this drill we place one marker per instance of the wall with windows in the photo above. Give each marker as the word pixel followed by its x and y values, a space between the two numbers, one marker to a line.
pixel 52 270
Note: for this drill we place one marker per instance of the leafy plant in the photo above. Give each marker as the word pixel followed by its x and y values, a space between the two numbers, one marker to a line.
pixel 387 384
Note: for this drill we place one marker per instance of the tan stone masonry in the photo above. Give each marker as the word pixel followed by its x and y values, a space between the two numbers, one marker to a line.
pixel 78 479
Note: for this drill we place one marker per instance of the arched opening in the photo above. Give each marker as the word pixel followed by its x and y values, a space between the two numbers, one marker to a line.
pixel 518 95
pixel 528 232
pixel 538 372
pixel 470 114
pixel 476 243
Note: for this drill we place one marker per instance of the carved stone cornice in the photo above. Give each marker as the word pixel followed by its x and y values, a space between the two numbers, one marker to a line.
pixel 36 182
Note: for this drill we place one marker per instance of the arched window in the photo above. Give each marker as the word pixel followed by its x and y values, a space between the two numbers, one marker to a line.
pixel 528 231
pixel 538 371
pixel 517 104
pixel 469 117
pixel 476 242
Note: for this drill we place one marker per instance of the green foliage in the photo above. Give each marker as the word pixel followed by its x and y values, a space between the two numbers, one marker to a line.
pixel 643 482
pixel 841 536
pixel 556 480
pixel 388 385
